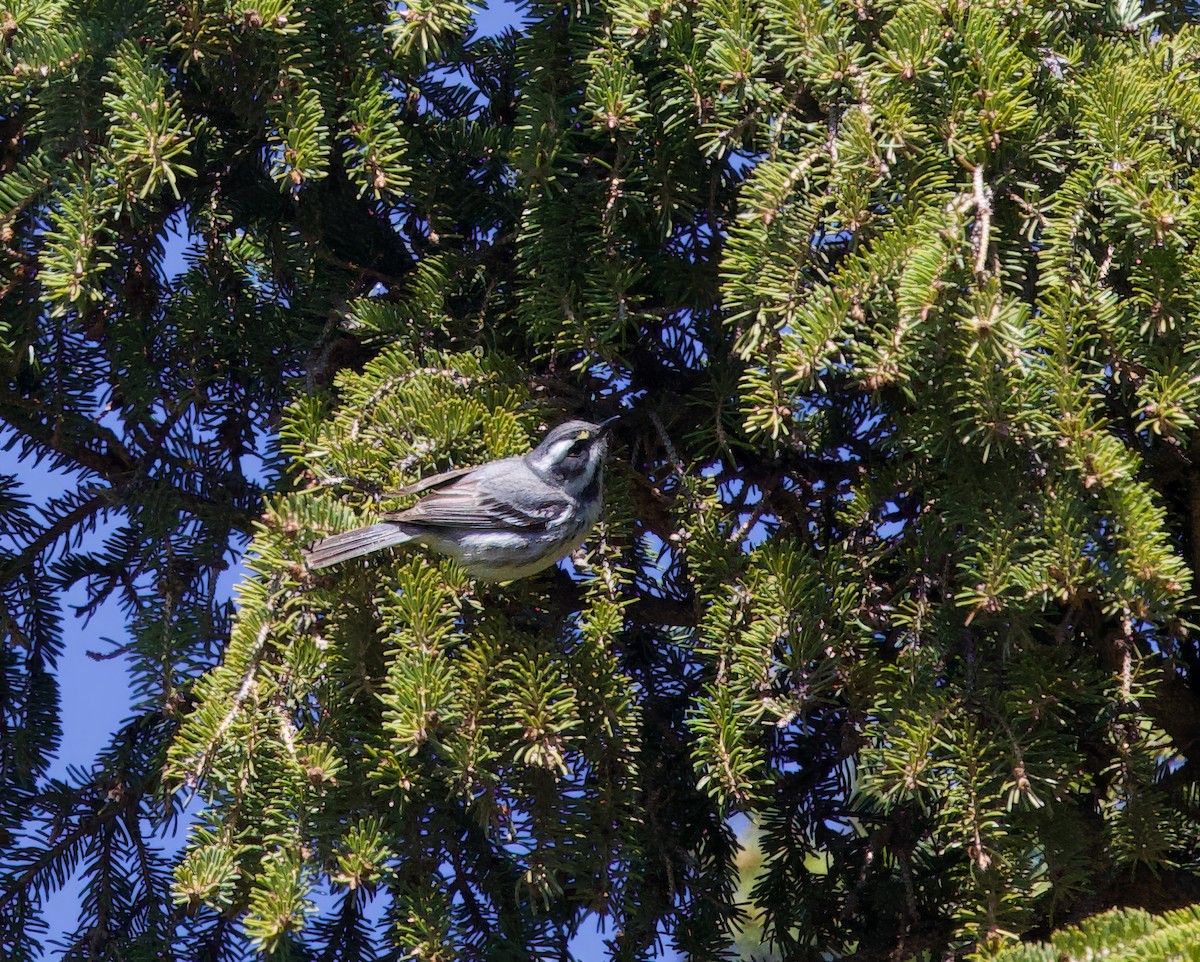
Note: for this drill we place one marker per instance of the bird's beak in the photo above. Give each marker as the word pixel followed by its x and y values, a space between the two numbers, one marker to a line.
pixel 606 425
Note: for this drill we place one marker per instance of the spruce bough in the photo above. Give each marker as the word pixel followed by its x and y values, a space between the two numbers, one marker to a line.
pixel 899 552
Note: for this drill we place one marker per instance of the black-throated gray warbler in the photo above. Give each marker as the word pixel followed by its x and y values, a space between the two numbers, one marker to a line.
pixel 502 520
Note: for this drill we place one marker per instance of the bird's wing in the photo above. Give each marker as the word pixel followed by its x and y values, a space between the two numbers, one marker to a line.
pixel 473 502
pixel 433 481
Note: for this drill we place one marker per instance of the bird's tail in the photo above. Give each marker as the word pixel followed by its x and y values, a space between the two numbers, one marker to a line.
pixel 355 544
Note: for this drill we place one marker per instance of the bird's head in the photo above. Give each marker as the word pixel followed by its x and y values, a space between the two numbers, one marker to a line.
pixel 572 454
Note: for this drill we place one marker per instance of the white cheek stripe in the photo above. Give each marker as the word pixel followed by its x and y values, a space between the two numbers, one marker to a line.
pixel 563 517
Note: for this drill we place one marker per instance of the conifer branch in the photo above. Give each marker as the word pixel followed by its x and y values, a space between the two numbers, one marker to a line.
pixel 61 528
pixel 982 200
pixel 198 764
pixel 864 406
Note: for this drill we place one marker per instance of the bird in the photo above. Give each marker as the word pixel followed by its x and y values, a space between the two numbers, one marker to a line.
pixel 501 520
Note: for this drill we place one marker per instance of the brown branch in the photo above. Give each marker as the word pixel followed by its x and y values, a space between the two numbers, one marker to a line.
pixel 59 529
pixel 45 426
pixel 388 280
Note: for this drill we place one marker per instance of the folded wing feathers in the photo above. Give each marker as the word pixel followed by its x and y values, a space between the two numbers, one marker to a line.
pixel 425 484
pixel 464 506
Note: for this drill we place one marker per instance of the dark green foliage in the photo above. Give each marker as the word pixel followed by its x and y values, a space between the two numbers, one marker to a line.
pixel 899 302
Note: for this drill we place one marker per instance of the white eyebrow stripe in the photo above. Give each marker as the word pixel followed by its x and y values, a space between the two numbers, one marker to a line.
pixel 560 448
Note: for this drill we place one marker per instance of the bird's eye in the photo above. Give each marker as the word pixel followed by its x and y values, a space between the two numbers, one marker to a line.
pixel 576 449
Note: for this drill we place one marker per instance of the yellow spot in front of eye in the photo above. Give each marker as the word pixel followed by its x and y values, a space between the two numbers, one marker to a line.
pixel 583 435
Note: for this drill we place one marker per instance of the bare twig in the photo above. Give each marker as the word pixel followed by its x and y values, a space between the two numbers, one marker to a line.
pixel 983 224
